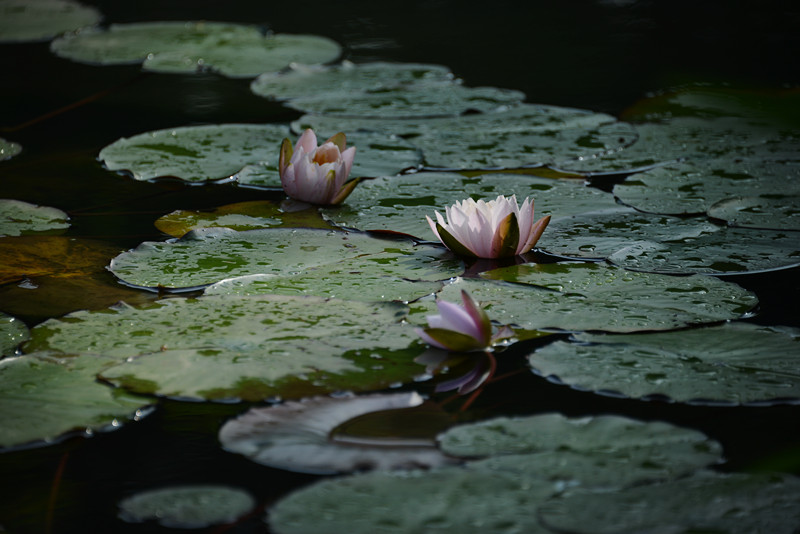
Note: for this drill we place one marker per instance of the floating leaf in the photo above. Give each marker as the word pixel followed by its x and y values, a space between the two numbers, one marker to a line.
pixel 298 436
pixel 41 20
pixel 774 212
pixel 707 502
pixel 233 50
pixel 12 333
pixel 196 506
pixel 196 153
pixel 17 217
pixel 401 203
pixel 8 149
pixel 735 363
pixel 588 296
pixel 209 255
pixel 43 398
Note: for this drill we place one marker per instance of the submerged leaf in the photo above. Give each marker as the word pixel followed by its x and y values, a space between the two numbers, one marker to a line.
pixel 41 20
pixel 187 506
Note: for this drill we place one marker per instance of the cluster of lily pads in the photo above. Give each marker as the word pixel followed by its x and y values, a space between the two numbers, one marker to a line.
pixel 286 303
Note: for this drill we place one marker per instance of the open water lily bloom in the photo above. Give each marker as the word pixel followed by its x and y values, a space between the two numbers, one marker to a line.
pixel 461 328
pixel 317 174
pixel 495 229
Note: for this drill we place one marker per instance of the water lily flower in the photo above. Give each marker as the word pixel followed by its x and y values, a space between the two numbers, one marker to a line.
pixel 461 328
pixel 317 174
pixel 494 229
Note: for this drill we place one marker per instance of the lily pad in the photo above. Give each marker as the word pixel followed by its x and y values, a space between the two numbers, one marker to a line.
pixel 197 506
pixel 401 203
pixel 240 216
pixel 17 217
pixel 588 296
pixel 707 502
pixel 298 436
pixel 735 363
pixel 209 255
pixel 232 50
pixel 8 149
pixel 44 398
pixel 41 20
pixel 196 153
pixel 12 333
pixel 692 187
pixel 773 212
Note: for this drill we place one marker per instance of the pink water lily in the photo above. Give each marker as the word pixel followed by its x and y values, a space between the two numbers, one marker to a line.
pixel 461 328
pixel 495 229
pixel 317 174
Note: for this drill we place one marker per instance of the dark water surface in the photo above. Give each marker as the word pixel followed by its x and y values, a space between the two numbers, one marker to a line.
pixel 600 55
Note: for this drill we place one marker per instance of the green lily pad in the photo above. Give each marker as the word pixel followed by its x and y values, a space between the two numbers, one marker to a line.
pixel 692 187
pixel 773 212
pixel 44 398
pixel 601 451
pixel 517 136
pixel 401 203
pixel 8 149
pixel 41 20
pixel 589 296
pixel 299 436
pixel 17 217
pixel 444 500
pixel 232 50
pixel 331 82
pixel 209 255
pixel 197 506
pixel 735 363
pixel 247 348
pixel 707 502
pixel 196 153
pixel 240 216
pixel 12 333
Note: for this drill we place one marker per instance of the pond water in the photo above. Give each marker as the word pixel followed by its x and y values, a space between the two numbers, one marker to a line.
pixel 628 60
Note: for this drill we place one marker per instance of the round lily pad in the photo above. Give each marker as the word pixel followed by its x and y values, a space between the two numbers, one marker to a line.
pixel 44 397
pixel 232 50
pixel 8 149
pixel 707 502
pixel 401 203
pixel 773 212
pixel 196 153
pixel 40 20
pixel 735 363
pixel 209 255
pixel 197 506
pixel 298 436
pixel 588 296
pixel 12 333
pixel 17 217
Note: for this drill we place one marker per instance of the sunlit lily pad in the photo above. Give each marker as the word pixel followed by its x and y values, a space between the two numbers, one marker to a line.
pixel 187 506
pixel 588 296
pixel 40 20
pixel 240 216
pixel 196 153
pixel 17 217
pixel 232 50
pixel 298 436
pixel 600 451
pixel 523 135
pixel 735 363
pixel 12 333
pixel 8 149
pixel 209 255
pixel 43 398
pixel 401 203
pixel 774 212
pixel 707 502
pixel 248 348
pixel 694 186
